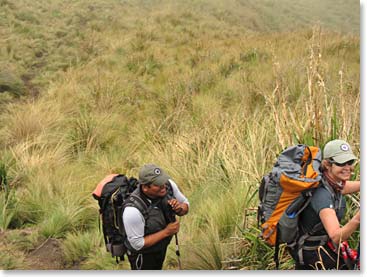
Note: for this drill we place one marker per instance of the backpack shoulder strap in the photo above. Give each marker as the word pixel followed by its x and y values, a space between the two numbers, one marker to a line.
pixel 328 188
pixel 169 190
pixel 337 199
pixel 309 236
pixel 136 202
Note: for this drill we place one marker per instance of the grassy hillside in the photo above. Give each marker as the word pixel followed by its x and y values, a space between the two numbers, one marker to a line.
pixel 42 39
pixel 209 90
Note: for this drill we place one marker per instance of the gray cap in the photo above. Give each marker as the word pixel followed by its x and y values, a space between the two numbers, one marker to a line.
pixel 339 150
pixel 152 174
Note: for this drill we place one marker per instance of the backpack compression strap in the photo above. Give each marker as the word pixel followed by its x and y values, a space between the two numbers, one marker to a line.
pixel 276 250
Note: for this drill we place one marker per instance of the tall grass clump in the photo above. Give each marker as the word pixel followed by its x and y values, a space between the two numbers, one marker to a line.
pixel 8 205
pixel 78 246
pixel 27 122
pixel 55 204
pixel 86 250
pixel 11 260
pixel 311 119
pixel 204 252
pixel 8 200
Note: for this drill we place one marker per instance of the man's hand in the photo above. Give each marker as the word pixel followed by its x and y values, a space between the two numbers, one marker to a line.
pixel 179 208
pixel 172 228
pixel 175 205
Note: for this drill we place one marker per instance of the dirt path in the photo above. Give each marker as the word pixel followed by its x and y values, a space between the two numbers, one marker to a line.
pixel 46 256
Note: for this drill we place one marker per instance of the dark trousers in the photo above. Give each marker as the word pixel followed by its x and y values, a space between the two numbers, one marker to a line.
pixel 147 261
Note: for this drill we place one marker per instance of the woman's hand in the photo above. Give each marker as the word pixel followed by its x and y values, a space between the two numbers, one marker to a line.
pixel 332 226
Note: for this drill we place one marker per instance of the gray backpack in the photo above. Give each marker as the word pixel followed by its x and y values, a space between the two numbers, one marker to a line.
pixel 285 192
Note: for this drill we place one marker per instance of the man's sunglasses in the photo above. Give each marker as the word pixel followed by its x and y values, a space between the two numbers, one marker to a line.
pixel 351 162
pixel 164 185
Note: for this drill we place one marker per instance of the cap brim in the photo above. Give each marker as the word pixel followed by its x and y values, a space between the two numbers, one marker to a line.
pixel 161 180
pixel 344 158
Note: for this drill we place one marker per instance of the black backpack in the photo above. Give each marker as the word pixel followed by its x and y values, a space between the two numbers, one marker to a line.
pixel 111 194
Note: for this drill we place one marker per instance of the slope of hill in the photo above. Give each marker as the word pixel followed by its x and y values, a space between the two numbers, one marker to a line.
pixel 40 39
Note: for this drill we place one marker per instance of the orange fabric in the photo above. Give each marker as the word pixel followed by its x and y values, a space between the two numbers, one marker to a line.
pixel 311 173
pixel 292 190
pixel 295 186
pixel 269 233
pixel 98 190
pixel 270 225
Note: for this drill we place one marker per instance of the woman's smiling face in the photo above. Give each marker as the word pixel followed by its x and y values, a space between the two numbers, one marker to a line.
pixel 341 172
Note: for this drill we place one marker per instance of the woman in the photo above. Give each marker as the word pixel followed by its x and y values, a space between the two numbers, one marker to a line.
pixel 322 236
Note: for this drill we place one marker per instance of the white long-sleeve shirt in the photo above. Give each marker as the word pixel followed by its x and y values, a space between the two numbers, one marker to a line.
pixel 134 221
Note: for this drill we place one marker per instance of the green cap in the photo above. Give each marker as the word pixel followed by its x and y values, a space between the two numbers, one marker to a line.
pixel 152 174
pixel 339 150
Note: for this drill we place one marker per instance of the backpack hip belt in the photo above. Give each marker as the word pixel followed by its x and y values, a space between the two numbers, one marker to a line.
pixel 307 237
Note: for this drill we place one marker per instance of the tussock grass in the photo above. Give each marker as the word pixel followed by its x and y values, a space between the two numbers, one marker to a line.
pixel 101 260
pixel 27 122
pixel 11 260
pixel 37 155
pixel 86 250
pixel 62 219
pixel 8 206
pixel 77 246
pixel 205 252
pixel 22 239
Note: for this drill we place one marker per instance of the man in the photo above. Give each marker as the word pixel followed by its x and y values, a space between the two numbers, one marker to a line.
pixel 149 217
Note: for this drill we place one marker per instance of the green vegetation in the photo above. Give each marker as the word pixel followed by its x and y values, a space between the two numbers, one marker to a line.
pixel 210 90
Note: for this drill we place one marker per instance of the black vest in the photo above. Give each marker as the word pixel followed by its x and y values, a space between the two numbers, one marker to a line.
pixel 156 213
